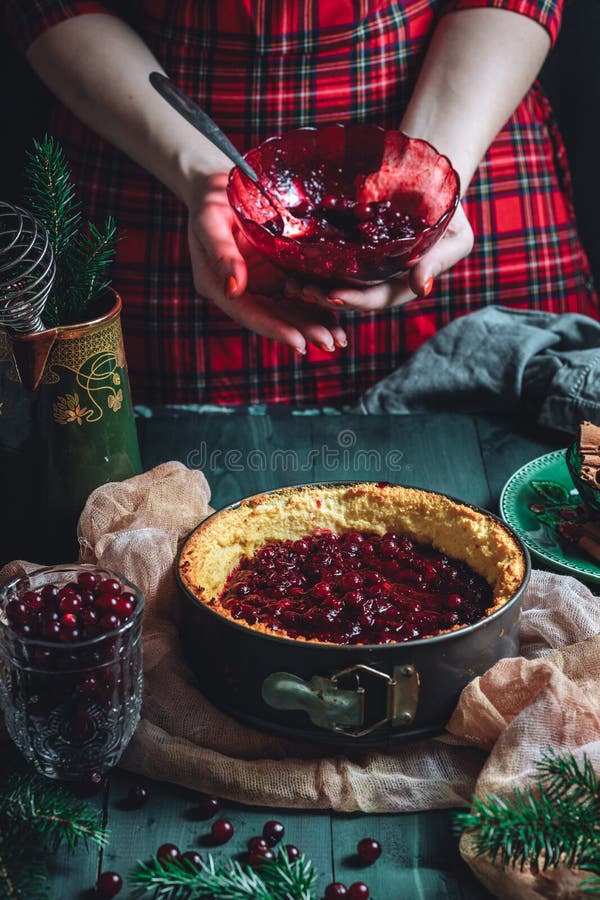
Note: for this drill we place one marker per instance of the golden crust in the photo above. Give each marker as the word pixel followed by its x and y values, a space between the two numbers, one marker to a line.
pixel 217 546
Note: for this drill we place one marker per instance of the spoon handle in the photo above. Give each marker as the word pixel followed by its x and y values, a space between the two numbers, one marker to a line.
pixel 190 111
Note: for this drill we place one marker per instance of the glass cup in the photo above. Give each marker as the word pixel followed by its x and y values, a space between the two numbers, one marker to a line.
pixel 71 708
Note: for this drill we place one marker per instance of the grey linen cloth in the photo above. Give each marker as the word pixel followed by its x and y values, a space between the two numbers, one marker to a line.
pixel 499 359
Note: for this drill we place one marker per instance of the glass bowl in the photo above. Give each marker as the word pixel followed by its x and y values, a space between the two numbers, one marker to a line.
pixel 71 708
pixel 364 164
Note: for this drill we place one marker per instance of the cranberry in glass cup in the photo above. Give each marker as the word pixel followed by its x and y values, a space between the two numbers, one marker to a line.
pixel 71 667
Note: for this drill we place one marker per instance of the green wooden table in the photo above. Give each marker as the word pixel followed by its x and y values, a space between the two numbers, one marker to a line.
pixel 467 456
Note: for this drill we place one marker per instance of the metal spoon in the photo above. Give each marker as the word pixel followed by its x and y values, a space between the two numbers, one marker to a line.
pixel 196 116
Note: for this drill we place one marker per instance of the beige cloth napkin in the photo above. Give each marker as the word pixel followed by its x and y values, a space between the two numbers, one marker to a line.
pixel 504 719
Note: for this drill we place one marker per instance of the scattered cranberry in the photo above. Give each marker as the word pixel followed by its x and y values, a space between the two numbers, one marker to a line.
pixel 369 850
pixel 259 857
pixel 89 784
pixel 137 796
pixel 273 831
pixel 335 889
pixel 292 852
pixel 222 831
pixel 168 853
pixel 108 885
pixel 192 859
pixel 358 891
pixel 257 843
pixel 207 806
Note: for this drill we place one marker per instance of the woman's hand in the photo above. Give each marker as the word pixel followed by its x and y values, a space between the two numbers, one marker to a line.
pixel 243 283
pixel 454 246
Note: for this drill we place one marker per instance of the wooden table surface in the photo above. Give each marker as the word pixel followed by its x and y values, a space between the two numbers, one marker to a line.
pixel 467 456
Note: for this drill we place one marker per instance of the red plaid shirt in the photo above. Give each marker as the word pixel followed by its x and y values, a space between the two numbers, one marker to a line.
pixel 261 68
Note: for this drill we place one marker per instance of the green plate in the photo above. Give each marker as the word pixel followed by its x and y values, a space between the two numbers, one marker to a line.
pixel 545 484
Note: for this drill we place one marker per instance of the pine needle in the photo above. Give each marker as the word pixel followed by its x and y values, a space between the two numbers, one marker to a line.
pixel 83 256
pixel 47 810
pixel 228 879
pixel 39 815
pixel 557 823
pixel 50 193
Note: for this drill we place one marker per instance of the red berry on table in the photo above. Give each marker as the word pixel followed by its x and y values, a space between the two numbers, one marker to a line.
pixel 273 831
pixel 88 784
pixel 108 885
pixel 192 859
pixel 258 858
pixel 358 891
pixel 335 889
pixel 137 796
pixel 257 843
pixel 207 806
pixel 222 831
pixel 168 853
pixel 292 852
pixel 369 850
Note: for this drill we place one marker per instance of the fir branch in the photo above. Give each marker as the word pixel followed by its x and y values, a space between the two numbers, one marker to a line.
pixel 290 880
pixel 228 880
pixel 34 804
pixel 21 879
pixel 556 824
pixel 50 193
pixel 563 778
pixel 89 259
pixel 82 257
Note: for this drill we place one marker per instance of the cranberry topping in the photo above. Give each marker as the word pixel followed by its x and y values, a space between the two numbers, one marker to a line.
pixel 355 588
pixel 322 197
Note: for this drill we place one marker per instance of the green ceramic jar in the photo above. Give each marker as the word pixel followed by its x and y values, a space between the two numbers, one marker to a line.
pixel 66 427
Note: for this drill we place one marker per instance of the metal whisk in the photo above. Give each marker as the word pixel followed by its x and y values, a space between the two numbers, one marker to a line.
pixel 27 269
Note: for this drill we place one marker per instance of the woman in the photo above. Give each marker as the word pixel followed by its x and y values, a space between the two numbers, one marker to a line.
pixel 204 322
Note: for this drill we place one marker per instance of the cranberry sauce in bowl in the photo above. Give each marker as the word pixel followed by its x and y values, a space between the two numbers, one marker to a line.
pixel 359 204
pixel 355 588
